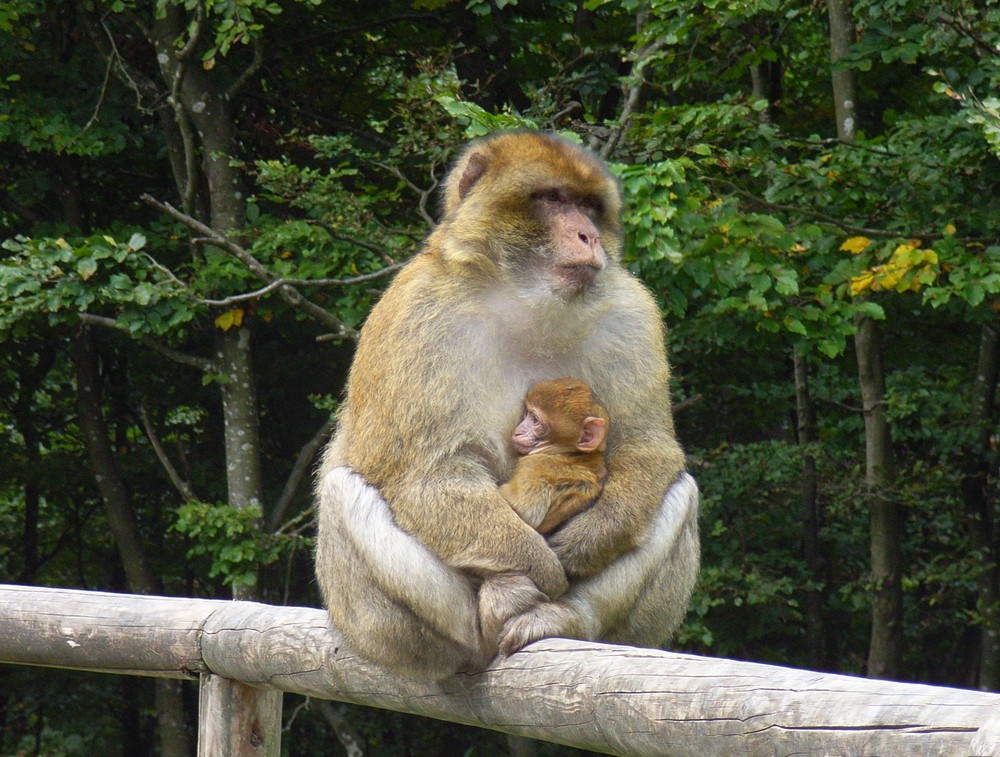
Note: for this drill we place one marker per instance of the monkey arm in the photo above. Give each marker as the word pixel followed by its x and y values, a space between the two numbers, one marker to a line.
pixel 632 377
pixel 639 598
pixel 622 517
pixel 547 489
pixel 457 512
pixel 529 505
pixel 527 493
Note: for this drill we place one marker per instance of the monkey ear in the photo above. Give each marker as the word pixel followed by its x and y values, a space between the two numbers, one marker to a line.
pixel 473 171
pixel 592 434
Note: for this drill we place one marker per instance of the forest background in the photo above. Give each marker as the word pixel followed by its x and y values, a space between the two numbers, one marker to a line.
pixel 202 199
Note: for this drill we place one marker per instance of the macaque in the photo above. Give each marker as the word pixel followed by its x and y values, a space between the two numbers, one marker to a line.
pixel 425 568
pixel 561 440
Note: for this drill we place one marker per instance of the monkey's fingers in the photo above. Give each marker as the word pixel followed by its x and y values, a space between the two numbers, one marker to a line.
pixel 545 621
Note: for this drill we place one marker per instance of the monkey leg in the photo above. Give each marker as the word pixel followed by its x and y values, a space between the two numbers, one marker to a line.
pixel 396 604
pixel 639 599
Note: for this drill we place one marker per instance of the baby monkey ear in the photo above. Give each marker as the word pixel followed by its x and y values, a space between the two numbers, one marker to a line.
pixel 592 434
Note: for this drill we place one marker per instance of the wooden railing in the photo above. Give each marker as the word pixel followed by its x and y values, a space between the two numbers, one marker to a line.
pixel 619 700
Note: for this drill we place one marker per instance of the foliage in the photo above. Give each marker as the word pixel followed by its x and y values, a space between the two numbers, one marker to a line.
pixel 59 280
pixel 230 538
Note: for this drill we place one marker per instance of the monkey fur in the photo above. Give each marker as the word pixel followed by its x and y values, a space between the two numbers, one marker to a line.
pixel 424 567
pixel 561 441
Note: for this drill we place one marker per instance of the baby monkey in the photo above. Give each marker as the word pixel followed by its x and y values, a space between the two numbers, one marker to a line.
pixel 561 441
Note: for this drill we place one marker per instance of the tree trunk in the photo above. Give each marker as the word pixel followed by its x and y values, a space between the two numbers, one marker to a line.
pixel 886 647
pixel 811 521
pixel 844 85
pixel 242 428
pixel 29 382
pixel 201 101
pixel 124 527
pixel 976 493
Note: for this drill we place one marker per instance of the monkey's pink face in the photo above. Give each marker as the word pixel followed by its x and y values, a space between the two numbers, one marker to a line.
pixel 577 253
pixel 531 433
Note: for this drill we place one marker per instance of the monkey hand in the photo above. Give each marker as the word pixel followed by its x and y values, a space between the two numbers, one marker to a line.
pixel 501 597
pixel 543 621
pixel 582 544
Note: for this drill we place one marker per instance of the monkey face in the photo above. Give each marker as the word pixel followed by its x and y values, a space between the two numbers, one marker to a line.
pixel 575 251
pixel 531 433
pixel 538 211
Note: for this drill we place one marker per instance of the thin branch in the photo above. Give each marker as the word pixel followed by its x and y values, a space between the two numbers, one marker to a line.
pixel 97 108
pixel 346 735
pixel 423 194
pixel 985 47
pixel 182 486
pixel 829 220
pixel 177 356
pixel 278 283
pixel 188 50
pixel 213 237
pixel 303 464
pixel 680 407
pixel 166 272
pixel 172 64
pixel 249 71
pixel 843 406
pixel 357 242
pixel 633 86
pixel 289 293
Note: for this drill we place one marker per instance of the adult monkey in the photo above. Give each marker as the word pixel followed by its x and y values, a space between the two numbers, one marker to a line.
pixel 425 568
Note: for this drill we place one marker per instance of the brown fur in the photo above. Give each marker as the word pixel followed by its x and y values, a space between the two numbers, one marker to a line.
pixel 558 476
pixel 436 386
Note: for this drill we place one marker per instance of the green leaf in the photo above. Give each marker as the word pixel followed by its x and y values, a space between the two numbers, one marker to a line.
pixel 136 242
pixel 86 268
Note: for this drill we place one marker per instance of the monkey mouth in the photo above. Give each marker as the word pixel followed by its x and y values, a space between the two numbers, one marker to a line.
pixel 577 277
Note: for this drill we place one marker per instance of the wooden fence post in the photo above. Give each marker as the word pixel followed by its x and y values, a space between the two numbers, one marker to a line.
pixel 236 720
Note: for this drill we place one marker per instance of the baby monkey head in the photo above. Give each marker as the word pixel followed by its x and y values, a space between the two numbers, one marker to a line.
pixel 562 415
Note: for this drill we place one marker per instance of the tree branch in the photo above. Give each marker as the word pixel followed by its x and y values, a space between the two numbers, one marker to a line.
pixel 423 194
pixel 829 220
pixel 182 486
pixel 97 108
pixel 289 293
pixel 357 242
pixel 249 71
pixel 303 464
pixel 278 283
pixel 633 85
pixel 202 364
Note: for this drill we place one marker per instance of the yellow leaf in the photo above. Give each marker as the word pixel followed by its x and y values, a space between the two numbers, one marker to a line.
pixel 62 244
pixel 931 257
pixel 950 229
pixel 230 318
pixel 862 283
pixel 855 244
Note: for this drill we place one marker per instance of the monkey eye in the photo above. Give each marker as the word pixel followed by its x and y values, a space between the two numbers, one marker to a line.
pixel 549 195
